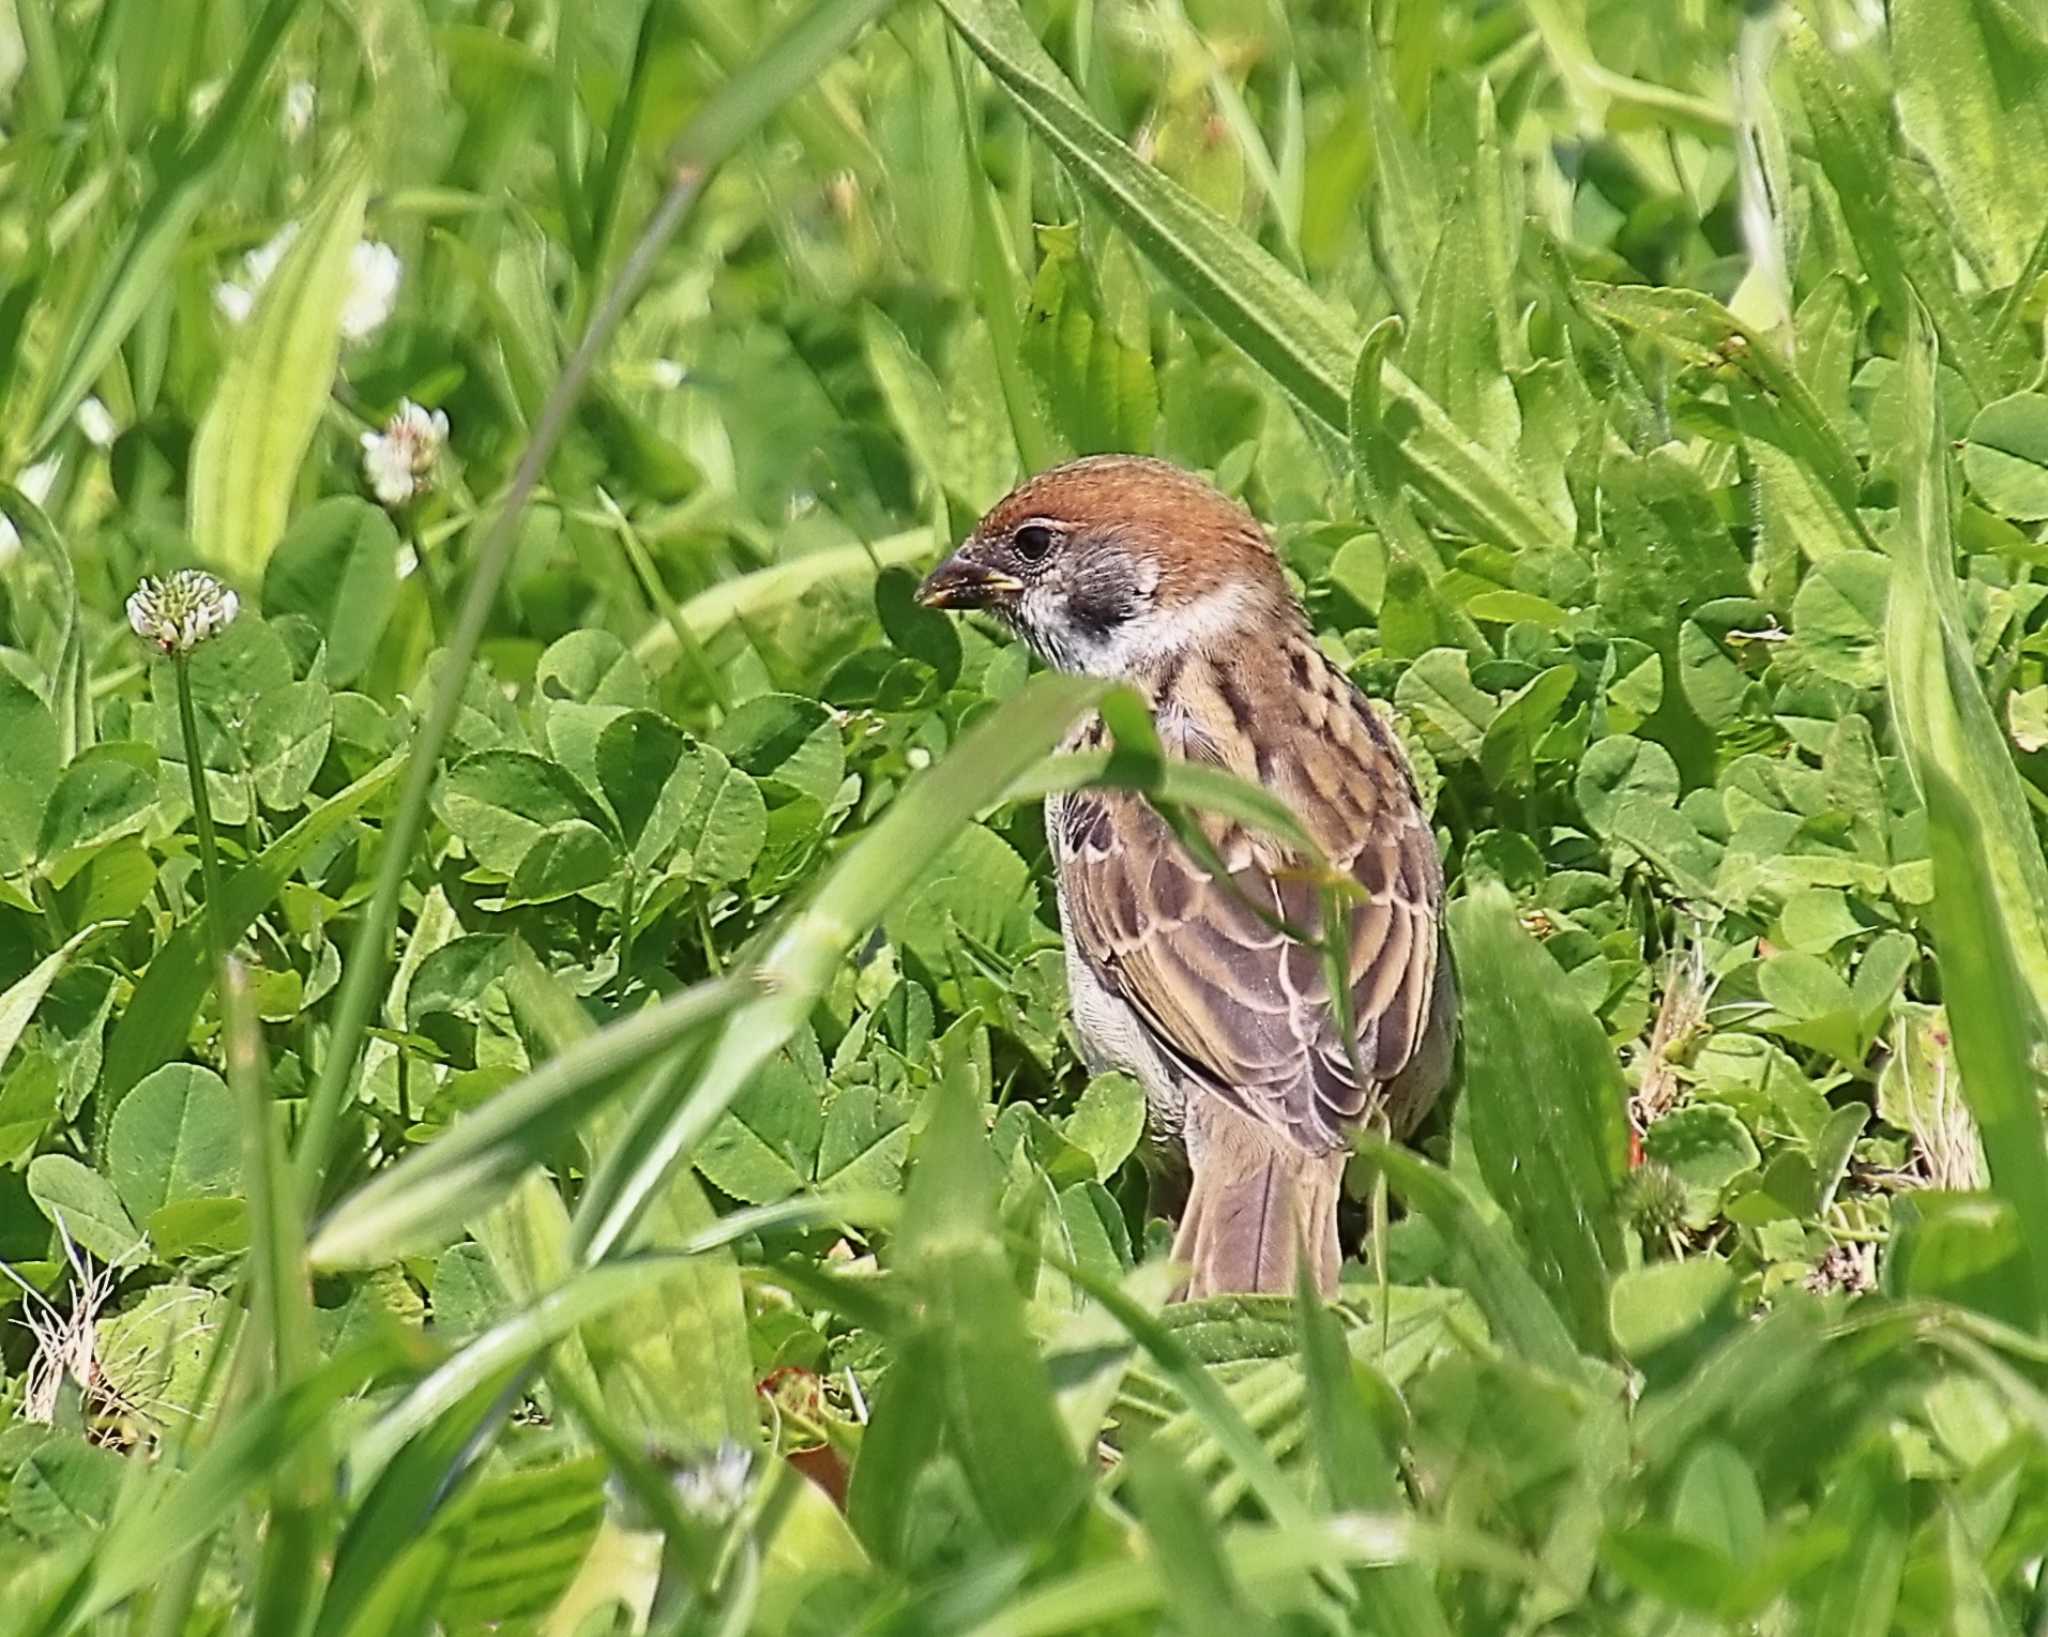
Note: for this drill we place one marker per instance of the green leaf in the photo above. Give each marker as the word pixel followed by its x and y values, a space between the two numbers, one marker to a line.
pixel 1521 1314
pixel 784 739
pixel 711 818
pixel 591 668
pixel 1838 618
pixel 106 793
pixel 1619 769
pixel 174 1138
pixel 261 419
pixel 159 1016
pixel 2005 456
pixel 1547 1107
pixel 66 1487
pixel 1099 390
pixel 1658 1306
pixel 1107 1121
pixel 29 767
pixel 18 1005
pixel 501 803
pixel 563 858
pixel 1705 1144
pixel 83 1203
pixel 337 566
pixel 288 735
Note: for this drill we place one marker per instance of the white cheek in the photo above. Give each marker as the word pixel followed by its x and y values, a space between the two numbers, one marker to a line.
pixel 1158 634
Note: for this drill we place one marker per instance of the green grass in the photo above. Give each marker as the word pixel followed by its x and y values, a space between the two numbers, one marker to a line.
pixel 633 1171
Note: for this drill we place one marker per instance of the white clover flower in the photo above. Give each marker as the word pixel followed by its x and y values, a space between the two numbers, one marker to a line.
pixel 297 115
pixel 35 484
pixel 713 1488
pixel 97 423
pixel 374 274
pixel 399 461
pixel 176 614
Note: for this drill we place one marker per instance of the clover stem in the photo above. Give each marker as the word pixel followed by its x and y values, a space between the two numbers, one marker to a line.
pixel 202 814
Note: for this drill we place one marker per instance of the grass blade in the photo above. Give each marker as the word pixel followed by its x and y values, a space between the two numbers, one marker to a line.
pixel 1548 1109
pixel 1990 882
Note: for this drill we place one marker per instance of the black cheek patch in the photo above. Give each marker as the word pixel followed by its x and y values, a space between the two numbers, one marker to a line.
pixel 1101 596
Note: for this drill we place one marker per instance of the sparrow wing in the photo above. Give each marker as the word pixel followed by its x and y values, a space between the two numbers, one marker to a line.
pixel 1243 1010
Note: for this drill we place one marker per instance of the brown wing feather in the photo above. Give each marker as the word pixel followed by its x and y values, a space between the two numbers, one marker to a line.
pixel 1243 1011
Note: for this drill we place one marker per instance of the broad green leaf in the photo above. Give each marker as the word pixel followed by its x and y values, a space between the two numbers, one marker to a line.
pixel 106 793
pixel 711 819
pixel 1658 1306
pixel 591 668
pixel 1107 1121
pixel 337 566
pixel 29 767
pixel 1975 101
pixel 261 419
pixel 174 1138
pixel 564 857
pixel 780 738
pixel 288 734
pixel 1547 1107
pixel 501 803
pixel 1099 390
pixel 2005 456
pixel 81 1202
pixel 1838 618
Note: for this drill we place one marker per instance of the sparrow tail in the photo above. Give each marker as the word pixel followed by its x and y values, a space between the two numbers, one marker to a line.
pixel 1256 1204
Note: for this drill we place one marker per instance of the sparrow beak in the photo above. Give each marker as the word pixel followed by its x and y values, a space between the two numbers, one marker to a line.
pixel 962 582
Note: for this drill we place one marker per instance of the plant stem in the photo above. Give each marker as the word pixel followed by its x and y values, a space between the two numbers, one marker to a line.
pixel 202 816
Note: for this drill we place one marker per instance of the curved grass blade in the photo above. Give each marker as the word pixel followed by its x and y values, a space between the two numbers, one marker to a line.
pixel 1283 326
pixel 802 959
pixel 434 1190
pixel 1507 1293
pixel 1990 881
pixel 766 589
pixel 1548 1109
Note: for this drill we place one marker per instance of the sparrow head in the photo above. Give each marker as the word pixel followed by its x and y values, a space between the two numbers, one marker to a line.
pixel 1114 565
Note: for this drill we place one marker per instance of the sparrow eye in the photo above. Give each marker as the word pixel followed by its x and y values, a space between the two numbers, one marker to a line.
pixel 1033 542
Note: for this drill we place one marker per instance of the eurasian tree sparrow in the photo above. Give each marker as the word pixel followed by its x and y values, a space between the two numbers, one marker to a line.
pixel 1133 569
